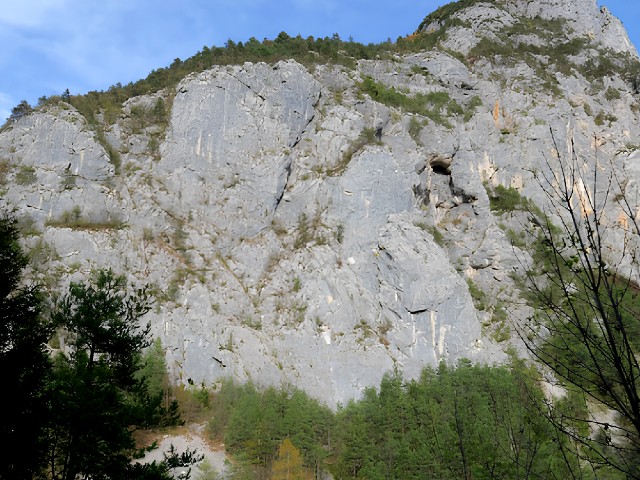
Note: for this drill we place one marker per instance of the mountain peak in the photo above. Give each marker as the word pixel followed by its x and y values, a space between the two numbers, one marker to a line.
pixel 482 18
pixel 584 17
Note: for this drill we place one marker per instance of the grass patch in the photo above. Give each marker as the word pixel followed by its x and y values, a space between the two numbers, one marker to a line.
pixel 73 219
pixel 480 299
pixel 5 169
pixel 415 127
pixel 612 94
pixel 437 235
pixel 506 200
pixel 26 175
pixel 308 231
pixel 366 137
pixel 603 118
pixel 437 106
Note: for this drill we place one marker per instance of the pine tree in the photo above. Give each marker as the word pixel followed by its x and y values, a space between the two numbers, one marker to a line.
pixel 20 110
pixel 24 362
pixel 288 465
pixel 91 386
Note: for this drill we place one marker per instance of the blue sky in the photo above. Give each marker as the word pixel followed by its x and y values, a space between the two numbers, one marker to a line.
pixel 82 45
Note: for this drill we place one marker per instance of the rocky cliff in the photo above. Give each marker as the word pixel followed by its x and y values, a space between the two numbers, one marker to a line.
pixel 322 225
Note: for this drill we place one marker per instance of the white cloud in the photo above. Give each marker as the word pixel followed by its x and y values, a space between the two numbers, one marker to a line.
pixel 30 13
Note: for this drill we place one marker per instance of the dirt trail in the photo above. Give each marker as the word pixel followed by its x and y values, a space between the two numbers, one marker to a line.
pixel 192 437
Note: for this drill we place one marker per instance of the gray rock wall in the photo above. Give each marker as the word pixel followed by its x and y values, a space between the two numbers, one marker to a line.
pixel 287 247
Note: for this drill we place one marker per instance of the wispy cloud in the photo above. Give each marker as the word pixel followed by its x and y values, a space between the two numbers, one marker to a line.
pixel 50 45
pixel 30 13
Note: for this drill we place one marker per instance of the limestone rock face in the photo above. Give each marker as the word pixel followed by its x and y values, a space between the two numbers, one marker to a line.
pixel 583 16
pixel 297 231
pixel 231 129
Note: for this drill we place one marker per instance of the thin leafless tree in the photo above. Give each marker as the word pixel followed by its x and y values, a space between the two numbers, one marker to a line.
pixel 586 326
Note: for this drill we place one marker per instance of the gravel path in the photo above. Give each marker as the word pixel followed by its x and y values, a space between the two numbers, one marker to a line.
pixel 192 437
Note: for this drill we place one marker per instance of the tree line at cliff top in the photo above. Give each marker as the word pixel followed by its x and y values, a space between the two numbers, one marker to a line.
pixel 312 51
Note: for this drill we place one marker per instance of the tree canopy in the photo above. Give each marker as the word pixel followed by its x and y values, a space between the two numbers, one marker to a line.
pixel 73 413
pixel 24 360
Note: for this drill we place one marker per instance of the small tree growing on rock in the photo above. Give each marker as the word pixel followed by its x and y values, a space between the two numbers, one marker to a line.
pixel 19 111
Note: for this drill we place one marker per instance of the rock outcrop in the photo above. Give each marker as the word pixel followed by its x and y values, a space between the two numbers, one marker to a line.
pixel 298 231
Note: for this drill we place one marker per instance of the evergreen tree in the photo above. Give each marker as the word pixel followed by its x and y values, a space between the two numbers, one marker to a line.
pixel 90 433
pixel 24 362
pixel 152 397
pixel 469 422
pixel 308 424
pixel 20 110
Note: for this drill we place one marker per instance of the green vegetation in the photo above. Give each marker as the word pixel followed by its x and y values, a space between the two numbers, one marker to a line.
pixel 68 181
pixel 254 423
pixel 5 169
pixel 501 331
pixel 116 387
pixel 612 94
pixel 26 175
pixel 143 117
pixel 366 137
pixel 478 296
pixel 442 16
pixel 506 200
pixel 98 112
pixel 19 111
pixel 470 110
pixel 308 231
pixel 498 325
pixel 609 63
pixel 437 235
pixel 463 422
pixel 73 219
pixel 467 422
pixel 114 155
pixel 602 118
pixel 288 463
pixel 415 127
pixel 73 414
pixel 587 109
pixel 27 226
pixel 338 233
pixel 437 106
pixel 101 109
pixel 586 319
pixel 24 361
pixel 178 279
pixel 503 200
pixel 517 239
pixel 557 51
